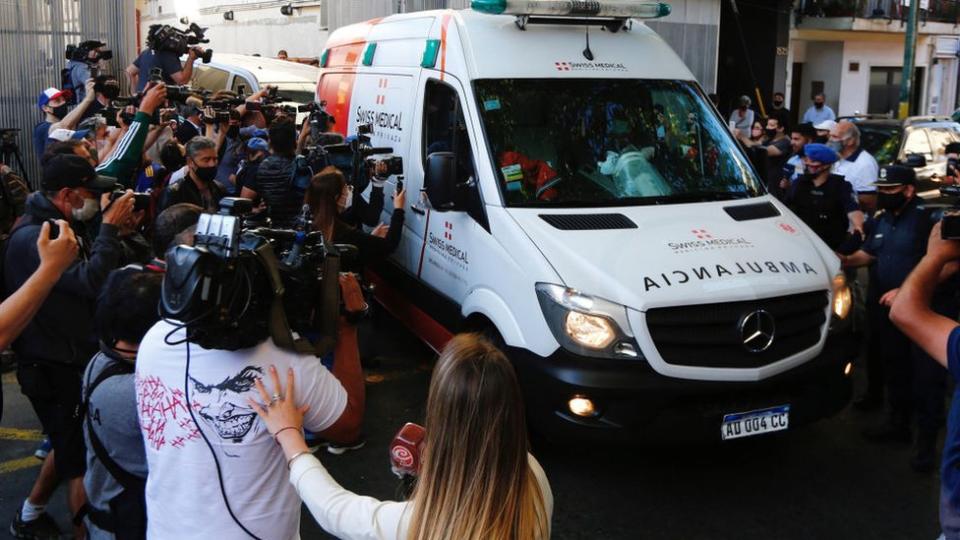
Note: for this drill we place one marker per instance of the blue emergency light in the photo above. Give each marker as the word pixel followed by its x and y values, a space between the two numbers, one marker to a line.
pixel 614 9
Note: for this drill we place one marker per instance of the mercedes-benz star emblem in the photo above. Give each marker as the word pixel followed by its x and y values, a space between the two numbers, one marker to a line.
pixel 757 330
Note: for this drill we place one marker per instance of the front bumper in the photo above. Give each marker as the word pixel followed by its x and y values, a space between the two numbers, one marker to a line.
pixel 637 404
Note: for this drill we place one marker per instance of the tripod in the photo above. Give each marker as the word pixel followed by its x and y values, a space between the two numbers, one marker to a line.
pixel 10 151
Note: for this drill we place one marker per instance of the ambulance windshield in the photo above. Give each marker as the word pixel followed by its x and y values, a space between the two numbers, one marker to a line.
pixel 609 142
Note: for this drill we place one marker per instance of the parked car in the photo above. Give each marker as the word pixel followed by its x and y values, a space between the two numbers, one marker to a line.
pixel 890 140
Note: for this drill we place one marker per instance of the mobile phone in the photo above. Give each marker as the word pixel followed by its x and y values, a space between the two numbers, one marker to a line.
pixel 399 184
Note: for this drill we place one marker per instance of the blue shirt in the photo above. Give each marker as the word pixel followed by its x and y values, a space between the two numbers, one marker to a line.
pixel 815 116
pixel 898 242
pixel 40 133
pixel 950 467
pixel 168 62
pixel 79 73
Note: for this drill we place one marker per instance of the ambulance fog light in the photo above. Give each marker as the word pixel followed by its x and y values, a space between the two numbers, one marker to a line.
pixel 618 9
pixel 582 406
pixel 842 297
pixel 848 369
pixel 589 330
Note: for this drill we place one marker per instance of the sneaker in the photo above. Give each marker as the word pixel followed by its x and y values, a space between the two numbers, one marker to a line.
pixel 314 441
pixel 43 450
pixel 42 528
pixel 340 449
pixel 887 432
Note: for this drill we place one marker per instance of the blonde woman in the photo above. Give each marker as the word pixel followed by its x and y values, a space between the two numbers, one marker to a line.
pixel 477 480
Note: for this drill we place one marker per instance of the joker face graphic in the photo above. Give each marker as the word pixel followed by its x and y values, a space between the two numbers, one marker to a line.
pixel 224 406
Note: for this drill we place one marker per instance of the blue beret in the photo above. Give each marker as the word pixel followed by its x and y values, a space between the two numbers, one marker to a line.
pixel 821 153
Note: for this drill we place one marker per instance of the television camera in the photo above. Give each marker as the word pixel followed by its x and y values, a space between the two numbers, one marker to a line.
pixel 167 38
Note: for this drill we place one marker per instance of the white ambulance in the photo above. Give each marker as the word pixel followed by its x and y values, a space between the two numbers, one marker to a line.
pixel 572 193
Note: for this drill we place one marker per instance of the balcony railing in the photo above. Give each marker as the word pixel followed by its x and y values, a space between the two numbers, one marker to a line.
pixel 942 11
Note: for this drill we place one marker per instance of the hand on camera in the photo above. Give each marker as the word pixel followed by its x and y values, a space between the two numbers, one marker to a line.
pixel 57 255
pixel 153 98
pixel 381 230
pixel 119 211
pixel 279 412
pixel 399 199
pixel 940 249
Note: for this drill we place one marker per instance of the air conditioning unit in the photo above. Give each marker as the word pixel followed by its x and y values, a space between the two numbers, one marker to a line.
pixel 946 46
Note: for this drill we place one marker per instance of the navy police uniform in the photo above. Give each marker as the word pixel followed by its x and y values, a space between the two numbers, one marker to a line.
pixel 898 240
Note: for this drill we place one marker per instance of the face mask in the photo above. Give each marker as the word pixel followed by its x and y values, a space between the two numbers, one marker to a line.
pixel 60 111
pixel 206 174
pixel 233 132
pixel 891 201
pixel 836 146
pixel 111 91
pixel 778 103
pixel 89 209
pixel 821 140
pixel 818 105
pixel 771 133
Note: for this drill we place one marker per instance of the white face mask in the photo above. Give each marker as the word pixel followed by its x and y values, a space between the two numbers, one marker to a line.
pixel 346 200
pixel 89 209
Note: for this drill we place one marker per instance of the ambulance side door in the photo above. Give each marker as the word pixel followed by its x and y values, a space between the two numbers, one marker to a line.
pixel 444 240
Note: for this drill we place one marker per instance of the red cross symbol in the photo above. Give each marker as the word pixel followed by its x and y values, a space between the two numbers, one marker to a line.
pixel 788 228
pixel 702 234
pixel 562 66
pixel 448 233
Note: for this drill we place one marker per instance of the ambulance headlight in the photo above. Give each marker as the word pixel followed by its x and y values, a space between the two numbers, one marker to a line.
pixel 565 8
pixel 842 297
pixel 587 325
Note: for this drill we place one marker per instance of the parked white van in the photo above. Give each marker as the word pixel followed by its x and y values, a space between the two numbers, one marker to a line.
pixel 583 203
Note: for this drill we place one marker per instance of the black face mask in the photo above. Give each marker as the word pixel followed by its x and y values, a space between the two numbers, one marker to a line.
pixel 818 105
pixel 206 174
pixel 771 133
pixel 777 103
pixel 891 201
pixel 233 132
pixel 60 111
pixel 110 91
pixel 821 140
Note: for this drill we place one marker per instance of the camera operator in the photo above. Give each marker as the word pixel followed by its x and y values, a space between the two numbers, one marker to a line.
pixel 199 187
pixel 116 464
pixel 914 313
pixel 192 125
pixel 53 104
pixel 273 181
pixel 475 435
pixel 168 62
pixel 57 343
pixel 329 195
pixel 174 226
pixel 952 153
pixel 83 59
pixel 222 458
pixel 257 151
pixel 106 87
pixel 895 244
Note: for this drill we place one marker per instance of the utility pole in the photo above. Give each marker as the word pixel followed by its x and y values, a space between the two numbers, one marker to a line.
pixel 909 52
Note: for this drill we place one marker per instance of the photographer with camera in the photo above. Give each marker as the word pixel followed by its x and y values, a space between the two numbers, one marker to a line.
pixel 82 62
pixel 214 454
pixel 165 45
pixel 912 382
pixel 476 435
pixel 329 196
pixel 199 187
pixel 914 312
pixel 59 341
pixel 275 179
pixel 116 463
pixel 106 88
pixel 52 102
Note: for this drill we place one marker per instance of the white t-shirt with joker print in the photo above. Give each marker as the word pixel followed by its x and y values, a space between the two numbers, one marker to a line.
pixel 183 494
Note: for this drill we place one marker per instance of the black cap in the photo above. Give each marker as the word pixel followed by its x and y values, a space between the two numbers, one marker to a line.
pixel 72 171
pixel 952 148
pixel 896 175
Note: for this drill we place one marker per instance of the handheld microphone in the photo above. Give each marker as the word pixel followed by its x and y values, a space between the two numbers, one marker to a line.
pixel 406 449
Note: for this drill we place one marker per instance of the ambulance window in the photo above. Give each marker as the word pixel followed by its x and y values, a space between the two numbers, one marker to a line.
pixel 239 82
pixel 444 128
pixel 210 78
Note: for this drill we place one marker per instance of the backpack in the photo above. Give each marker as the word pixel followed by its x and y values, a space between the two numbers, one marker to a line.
pixel 127 516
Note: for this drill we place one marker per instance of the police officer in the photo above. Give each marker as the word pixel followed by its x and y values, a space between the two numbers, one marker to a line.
pixel 913 382
pixel 823 200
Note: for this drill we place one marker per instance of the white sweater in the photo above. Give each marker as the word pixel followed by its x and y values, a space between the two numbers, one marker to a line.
pixel 349 516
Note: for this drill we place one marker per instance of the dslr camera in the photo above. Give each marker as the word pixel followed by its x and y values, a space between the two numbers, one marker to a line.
pixel 167 38
pixel 239 284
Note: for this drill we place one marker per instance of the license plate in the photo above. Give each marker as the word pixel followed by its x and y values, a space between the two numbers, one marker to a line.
pixel 747 424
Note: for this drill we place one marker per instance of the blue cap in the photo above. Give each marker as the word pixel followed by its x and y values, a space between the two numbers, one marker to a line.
pixel 820 153
pixel 257 143
pixel 261 133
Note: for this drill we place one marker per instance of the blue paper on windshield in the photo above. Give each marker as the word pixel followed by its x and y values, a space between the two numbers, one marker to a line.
pixel 491 105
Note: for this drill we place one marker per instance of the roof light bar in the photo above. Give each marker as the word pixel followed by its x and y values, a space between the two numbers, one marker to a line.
pixel 574 8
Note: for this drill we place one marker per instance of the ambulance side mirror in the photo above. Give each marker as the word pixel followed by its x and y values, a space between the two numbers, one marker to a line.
pixel 915 160
pixel 439 180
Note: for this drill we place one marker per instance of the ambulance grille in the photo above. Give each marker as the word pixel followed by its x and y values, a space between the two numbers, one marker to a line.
pixel 588 222
pixel 709 335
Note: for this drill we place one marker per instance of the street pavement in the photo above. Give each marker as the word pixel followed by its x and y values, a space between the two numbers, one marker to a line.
pixel 819 482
